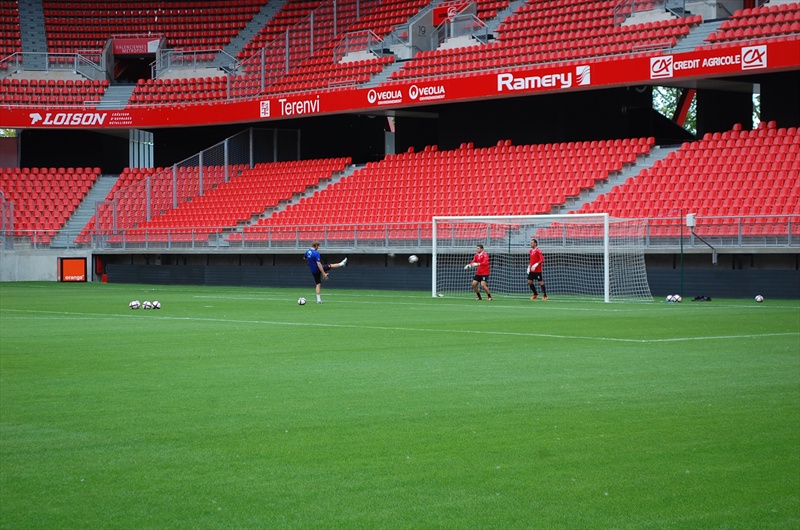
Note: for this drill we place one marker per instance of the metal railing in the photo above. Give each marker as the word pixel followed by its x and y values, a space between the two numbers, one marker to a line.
pixel 462 25
pixel 85 63
pixel 187 61
pixel 357 41
pixel 779 233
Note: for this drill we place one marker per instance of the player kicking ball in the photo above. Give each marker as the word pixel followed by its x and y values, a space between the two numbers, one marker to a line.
pixel 481 262
pixel 318 270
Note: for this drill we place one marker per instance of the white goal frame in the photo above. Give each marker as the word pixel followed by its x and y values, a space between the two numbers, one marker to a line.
pixel 587 256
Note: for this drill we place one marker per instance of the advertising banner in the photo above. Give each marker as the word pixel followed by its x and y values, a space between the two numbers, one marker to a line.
pixel 717 61
pixel 72 269
pixel 135 45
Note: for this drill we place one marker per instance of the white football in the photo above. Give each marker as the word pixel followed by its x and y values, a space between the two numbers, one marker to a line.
pixel 135 304
pixel 759 298
pixel 413 259
pixel 677 298
pixel 147 305
pixel 156 304
pixel 670 298
pixel 301 301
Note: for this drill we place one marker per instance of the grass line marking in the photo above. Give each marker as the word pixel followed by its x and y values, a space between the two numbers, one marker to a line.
pixel 84 316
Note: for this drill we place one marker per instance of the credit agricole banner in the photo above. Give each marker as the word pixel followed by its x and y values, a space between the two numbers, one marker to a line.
pixel 718 61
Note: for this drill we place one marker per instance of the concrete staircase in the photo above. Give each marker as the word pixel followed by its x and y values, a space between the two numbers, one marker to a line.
pixel 84 212
pixel 492 25
pixel 590 195
pixel 237 44
pixel 116 97
pixel 32 34
pixel 697 36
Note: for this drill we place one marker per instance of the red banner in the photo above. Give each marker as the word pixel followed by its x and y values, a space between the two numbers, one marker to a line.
pixel 135 45
pixel 719 61
pixel 447 11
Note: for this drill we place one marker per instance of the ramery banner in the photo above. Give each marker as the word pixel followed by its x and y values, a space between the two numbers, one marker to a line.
pixel 718 61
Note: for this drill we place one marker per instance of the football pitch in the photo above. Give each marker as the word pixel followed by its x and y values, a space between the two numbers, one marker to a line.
pixel 237 408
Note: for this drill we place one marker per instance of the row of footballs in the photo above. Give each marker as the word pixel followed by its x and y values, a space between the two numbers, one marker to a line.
pixel 677 298
pixel 136 304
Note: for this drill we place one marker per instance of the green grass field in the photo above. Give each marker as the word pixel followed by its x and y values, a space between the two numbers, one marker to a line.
pixel 237 408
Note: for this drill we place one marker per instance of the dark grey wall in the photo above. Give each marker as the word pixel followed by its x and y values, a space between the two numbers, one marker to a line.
pixel 734 276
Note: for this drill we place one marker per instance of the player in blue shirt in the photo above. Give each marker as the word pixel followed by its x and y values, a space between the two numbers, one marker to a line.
pixel 319 270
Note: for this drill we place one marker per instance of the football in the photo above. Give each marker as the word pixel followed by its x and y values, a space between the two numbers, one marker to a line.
pixel 413 259
pixel 759 298
pixel 677 298
pixel 156 304
pixel 301 301
pixel 670 298
pixel 147 305
pixel 135 304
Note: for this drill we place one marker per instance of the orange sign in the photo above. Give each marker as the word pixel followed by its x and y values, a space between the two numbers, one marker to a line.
pixel 72 269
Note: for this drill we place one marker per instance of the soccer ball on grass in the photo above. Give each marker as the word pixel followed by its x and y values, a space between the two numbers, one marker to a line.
pixel 301 301
pixel 147 305
pixel 135 304
pixel 759 298
pixel 156 304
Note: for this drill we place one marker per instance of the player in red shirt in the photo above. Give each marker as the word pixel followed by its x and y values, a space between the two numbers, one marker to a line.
pixel 481 261
pixel 535 270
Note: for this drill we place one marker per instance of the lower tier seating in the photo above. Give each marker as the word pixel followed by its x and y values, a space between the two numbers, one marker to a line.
pixel 736 173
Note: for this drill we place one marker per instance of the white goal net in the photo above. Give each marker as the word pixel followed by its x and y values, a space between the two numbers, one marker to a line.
pixel 587 256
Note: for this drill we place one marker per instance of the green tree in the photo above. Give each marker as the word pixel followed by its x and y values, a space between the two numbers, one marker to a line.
pixel 665 101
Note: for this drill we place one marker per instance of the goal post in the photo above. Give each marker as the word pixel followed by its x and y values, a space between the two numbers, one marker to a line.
pixel 587 256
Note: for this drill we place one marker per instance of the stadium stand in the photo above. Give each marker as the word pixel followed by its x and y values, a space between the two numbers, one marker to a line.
pixel 410 188
pixel 758 23
pixel 752 173
pixel 76 26
pixel 249 193
pixel 541 32
pixel 52 92
pixel 10 39
pixel 44 198
pixel 180 90
pixel 128 178
pixel 536 33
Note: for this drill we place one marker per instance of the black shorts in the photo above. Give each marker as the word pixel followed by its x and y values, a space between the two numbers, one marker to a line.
pixel 480 279
pixel 537 276
pixel 318 275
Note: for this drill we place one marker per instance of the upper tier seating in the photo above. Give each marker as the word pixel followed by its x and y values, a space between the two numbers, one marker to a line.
pixel 187 90
pixel 201 25
pixel 554 31
pixel 44 198
pixel 736 173
pixel 317 67
pixel 10 39
pixel 410 188
pixel 758 23
pixel 291 12
pixel 379 17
